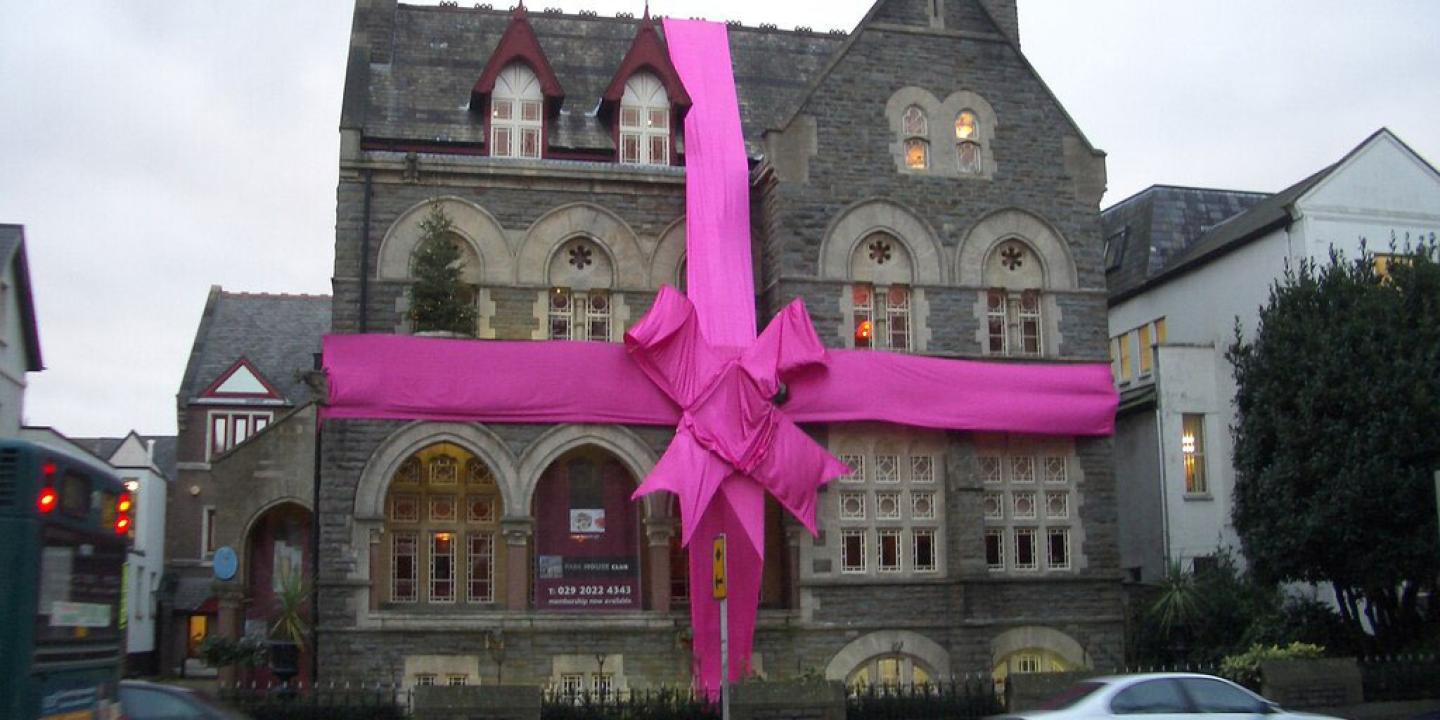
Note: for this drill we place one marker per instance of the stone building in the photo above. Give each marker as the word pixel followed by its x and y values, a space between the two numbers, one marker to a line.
pixel 244 476
pixel 914 181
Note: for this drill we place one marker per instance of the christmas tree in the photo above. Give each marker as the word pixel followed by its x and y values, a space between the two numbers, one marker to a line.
pixel 439 300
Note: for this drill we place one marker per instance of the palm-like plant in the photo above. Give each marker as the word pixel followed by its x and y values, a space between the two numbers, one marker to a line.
pixel 291 600
pixel 1179 603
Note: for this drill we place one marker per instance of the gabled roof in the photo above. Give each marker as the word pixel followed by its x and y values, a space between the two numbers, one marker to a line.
pixel 1268 214
pixel 518 44
pixel 647 53
pixel 278 335
pixel 12 255
pixel 105 449
pixel 1156 224
pixel 241 381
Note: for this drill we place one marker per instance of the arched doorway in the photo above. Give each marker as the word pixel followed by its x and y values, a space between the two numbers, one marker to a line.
pixel 278 554
pixel 442 529
pixel 587 535
pixel 1034 649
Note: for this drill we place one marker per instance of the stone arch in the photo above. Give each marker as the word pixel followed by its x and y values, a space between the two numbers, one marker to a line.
pixel 669 260
pixel 566 222
pixel 243 552
pixel 895 108
pixel 887 641
pixel 596 273
pixel 624 444
pixel 482 233
pixel 997 227
pixel 864 218
pixel 949 111
pixel 1038 637
pixel 383 463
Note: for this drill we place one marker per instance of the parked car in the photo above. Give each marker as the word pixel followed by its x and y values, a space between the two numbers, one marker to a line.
pixel 1171 696
pixel 152 701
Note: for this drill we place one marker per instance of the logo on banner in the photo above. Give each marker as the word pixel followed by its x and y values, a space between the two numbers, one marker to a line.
pixel 587 522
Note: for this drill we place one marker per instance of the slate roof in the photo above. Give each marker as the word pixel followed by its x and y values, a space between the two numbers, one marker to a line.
pixel 164 450
pixel 1198 245
pixel 279 334
pixel 12 250
pixel 1159 223
pixel 423 69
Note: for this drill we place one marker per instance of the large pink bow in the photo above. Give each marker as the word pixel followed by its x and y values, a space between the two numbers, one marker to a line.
pixel 729 426
pixel 733 443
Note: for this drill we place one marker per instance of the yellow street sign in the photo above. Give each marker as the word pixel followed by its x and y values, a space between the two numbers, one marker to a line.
pixel 718 558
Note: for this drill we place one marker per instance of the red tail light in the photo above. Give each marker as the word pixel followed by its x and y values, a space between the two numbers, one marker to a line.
pixel 122 525
pixel 125 503
pixel 47 500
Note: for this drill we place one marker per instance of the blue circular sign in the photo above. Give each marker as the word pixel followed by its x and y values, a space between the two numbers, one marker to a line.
pixel 226 563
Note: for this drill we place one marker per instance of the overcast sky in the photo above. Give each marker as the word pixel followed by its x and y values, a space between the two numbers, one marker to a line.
pixel 153 148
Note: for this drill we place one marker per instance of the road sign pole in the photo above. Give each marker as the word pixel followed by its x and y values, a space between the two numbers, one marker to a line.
pixel 721 592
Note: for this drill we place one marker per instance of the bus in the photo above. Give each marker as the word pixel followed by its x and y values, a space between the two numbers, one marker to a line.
pixel 65 530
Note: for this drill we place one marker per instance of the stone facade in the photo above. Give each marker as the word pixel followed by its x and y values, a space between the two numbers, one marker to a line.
pixel 900 585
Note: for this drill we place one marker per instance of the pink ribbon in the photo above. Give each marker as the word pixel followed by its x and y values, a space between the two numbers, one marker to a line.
pixel 700 367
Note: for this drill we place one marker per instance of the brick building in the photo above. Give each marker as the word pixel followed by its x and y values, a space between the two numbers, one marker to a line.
pixel 914 181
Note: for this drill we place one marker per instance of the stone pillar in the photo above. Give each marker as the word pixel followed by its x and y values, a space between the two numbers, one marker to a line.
pixel 795 533
pixel 517 532
pixel 659 531
pixel 230 597
pixel 379 582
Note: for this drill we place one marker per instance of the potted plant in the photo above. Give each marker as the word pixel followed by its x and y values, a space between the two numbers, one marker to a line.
pixel 439 298
pixel 288 629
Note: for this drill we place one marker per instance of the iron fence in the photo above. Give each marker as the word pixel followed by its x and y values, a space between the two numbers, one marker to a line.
pixel 319 701
pixel 958 699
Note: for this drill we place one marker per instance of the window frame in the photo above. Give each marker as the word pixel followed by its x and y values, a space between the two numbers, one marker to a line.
pixel 915 137
pixel 516 127
pixel 971 140
pixel 579 315
pixel 644 131
pixel 1195 472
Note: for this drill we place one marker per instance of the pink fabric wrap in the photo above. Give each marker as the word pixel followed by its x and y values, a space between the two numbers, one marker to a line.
pixel 701 369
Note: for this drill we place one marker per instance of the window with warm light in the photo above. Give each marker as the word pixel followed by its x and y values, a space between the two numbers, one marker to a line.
pixel 1147 352
pixel 1126 367
pixel 442 521
pixel 967 143
pixel 645 122
pixel 916 130
pixel 1192 449
pixel 517 114
pixel 882 317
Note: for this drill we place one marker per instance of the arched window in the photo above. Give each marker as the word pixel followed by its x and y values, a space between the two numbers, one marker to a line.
pixel 516 118
pixel 580 303
pixel 892 672
pixel 967 143
pixel 644 122
pixel 881 296
pixel 1014 312
pixel 916 130
pixel 442 522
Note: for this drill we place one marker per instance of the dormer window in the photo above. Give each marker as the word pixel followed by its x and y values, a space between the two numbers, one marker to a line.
pixel 644 122
pixel 917 148
pixel 516 114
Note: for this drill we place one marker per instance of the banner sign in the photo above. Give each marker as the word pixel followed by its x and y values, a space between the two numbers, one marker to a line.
pixel 586 583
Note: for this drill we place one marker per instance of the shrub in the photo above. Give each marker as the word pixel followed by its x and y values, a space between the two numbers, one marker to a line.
pixel 1245 667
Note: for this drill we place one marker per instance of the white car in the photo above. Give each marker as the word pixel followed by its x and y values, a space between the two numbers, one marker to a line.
pixel 1157 696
